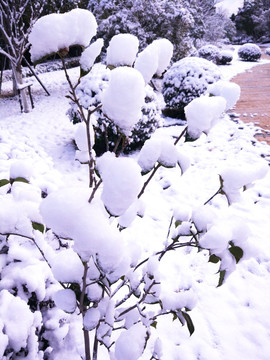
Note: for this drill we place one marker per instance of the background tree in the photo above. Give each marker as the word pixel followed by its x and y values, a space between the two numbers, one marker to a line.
pixel 16 20
pixel 253 21
pixel 186 23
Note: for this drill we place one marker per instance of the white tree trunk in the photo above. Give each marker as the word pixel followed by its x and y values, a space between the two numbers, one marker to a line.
pixel 18 81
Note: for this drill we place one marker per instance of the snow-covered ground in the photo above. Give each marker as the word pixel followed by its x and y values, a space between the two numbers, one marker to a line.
pixel 231 321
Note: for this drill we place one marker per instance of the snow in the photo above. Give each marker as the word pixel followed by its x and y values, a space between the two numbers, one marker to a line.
pixel 14 312
pixel 65 300
pixel 130 343
pixel 22 169
pixel 122 182
pixel 231 322
pixel 229 6
pixel 229 90
pixel 147 62
pixel 67 267
pixel 123 99
pixel 202 113
pixel 55 32
pixel 91 319
pixel 122 50
pixel 90 54
pixel 165 53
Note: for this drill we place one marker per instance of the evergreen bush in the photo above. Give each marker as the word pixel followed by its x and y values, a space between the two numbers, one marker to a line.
pixel 249 52
pixel 186 80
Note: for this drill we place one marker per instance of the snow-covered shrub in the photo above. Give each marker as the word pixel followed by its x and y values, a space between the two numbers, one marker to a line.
pixel 186 80
pixel 209 52
pixel 225 57
pixel 249 52
pixel 68 259
pixel 89 93
pixel 267 51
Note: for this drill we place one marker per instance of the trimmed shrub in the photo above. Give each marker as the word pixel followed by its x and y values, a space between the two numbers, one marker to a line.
pixel 186 80
pixel 249 52
pixel 267 51
pixel 209 52
pixel 225 57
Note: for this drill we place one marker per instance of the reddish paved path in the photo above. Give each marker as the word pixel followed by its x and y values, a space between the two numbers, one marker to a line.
pixel 254 103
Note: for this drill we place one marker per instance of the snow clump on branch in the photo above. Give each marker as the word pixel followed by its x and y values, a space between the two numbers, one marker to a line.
pixel 122 50
pixel 154 59
pixel 55 32
pixel 230 91
pixel 203 113
pixel 124 97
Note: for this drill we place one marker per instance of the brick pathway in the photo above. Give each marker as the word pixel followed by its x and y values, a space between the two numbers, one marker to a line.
pixel 254 103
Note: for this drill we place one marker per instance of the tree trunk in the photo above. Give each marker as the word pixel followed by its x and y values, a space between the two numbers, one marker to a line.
pixel 17 81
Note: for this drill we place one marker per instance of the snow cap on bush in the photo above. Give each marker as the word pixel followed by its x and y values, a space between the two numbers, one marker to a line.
pixel 236 177
pixel 229 90
pixel 165 53
pixel 68 213
pixel 65 300
pixel 156 150
pixel 130 344
pixel 80 136
pixel 154 59
pixel 202 114
pixel 67 267
pixel 249 52
pixel 147 62
pixel 55 32
pixel 123 99
pixel 122 50
pixel 90 54
pixel 122 182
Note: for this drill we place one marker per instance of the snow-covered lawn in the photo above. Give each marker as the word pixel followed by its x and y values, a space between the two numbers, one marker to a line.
pixel 231 321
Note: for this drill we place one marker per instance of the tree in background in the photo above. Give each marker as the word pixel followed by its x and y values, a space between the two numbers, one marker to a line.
pixel 186 23
pixel 253 20
pixel 147 20
pixel 16 20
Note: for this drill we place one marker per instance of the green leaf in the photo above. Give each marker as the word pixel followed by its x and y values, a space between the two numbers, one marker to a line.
pixel 178 223
pixel 38 227
pixel 4 182
pixel 214 259
pixel 189 322
pixel 19 179
pixel 222 274
pixel 83 72
pixel 237 252
pixel 154 324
